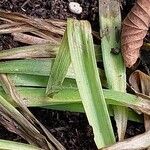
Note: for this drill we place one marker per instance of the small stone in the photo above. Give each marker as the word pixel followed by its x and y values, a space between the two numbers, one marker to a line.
pixel 75 8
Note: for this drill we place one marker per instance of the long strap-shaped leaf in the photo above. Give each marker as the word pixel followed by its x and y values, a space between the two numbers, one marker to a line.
pixel 33 66
pixel 36 69
pixel 36 97
pixel 59 68
pixel 110 24
pixel 69 100
pixel 38 51
pixel 83 59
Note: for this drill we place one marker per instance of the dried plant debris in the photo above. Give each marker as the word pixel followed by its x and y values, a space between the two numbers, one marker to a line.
pixel 52 9
pixel 31 51
pixel 31 30
pixel 140 82
pixel 138 142
pixel 34 29
pixel 30 39
pixel 22 121
pixel 135 27
pixel 145 57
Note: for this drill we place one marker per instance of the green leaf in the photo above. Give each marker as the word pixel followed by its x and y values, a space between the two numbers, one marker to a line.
pixel 40 67
pixel 69 99
pixel 38 51
pixel 35 72
pixel 59 68
pixel 84 63
pixel 32 66
pixel 110 25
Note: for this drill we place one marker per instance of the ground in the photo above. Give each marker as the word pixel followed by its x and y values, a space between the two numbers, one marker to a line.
pixel 71 129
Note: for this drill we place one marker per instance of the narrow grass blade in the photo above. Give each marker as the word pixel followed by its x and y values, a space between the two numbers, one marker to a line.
pixel 38 51
pixel 59 68
pixel 15 27
pixel 40 67
pixel 10 145
pixel 38 81
pixel 32 66
pixel 78 107
pixel 84 63
pixel 69 99
pixel 30 39
pixel 110 24
pixel 36 97
pixel 34 51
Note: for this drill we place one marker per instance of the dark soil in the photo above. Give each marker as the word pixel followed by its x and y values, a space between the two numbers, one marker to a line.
pixel 55 9
pixel 71 129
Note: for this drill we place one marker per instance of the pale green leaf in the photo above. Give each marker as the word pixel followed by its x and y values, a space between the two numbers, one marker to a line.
pixel 84 63
pixel 59 68
pixel 110 25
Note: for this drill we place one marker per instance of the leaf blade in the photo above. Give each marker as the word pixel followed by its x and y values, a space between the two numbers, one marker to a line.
pixel 83 59
pixel 110 24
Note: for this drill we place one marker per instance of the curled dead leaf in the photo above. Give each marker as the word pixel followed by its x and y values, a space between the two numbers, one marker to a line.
pixel 140 82
pixel 138 142
pixel 134 29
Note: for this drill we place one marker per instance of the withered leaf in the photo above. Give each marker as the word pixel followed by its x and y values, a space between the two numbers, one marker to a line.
pixel 23 121
pixel 134 29
pixel 140 82
pixel 139 142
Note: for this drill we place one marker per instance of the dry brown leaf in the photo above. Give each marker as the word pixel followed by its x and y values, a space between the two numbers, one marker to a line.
pixel 134 29
pixel 140 82
pixel 15 27
pixel 37 23
pixel 30 39
pixel 139 142
pixel 33 51
pixel 49 30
